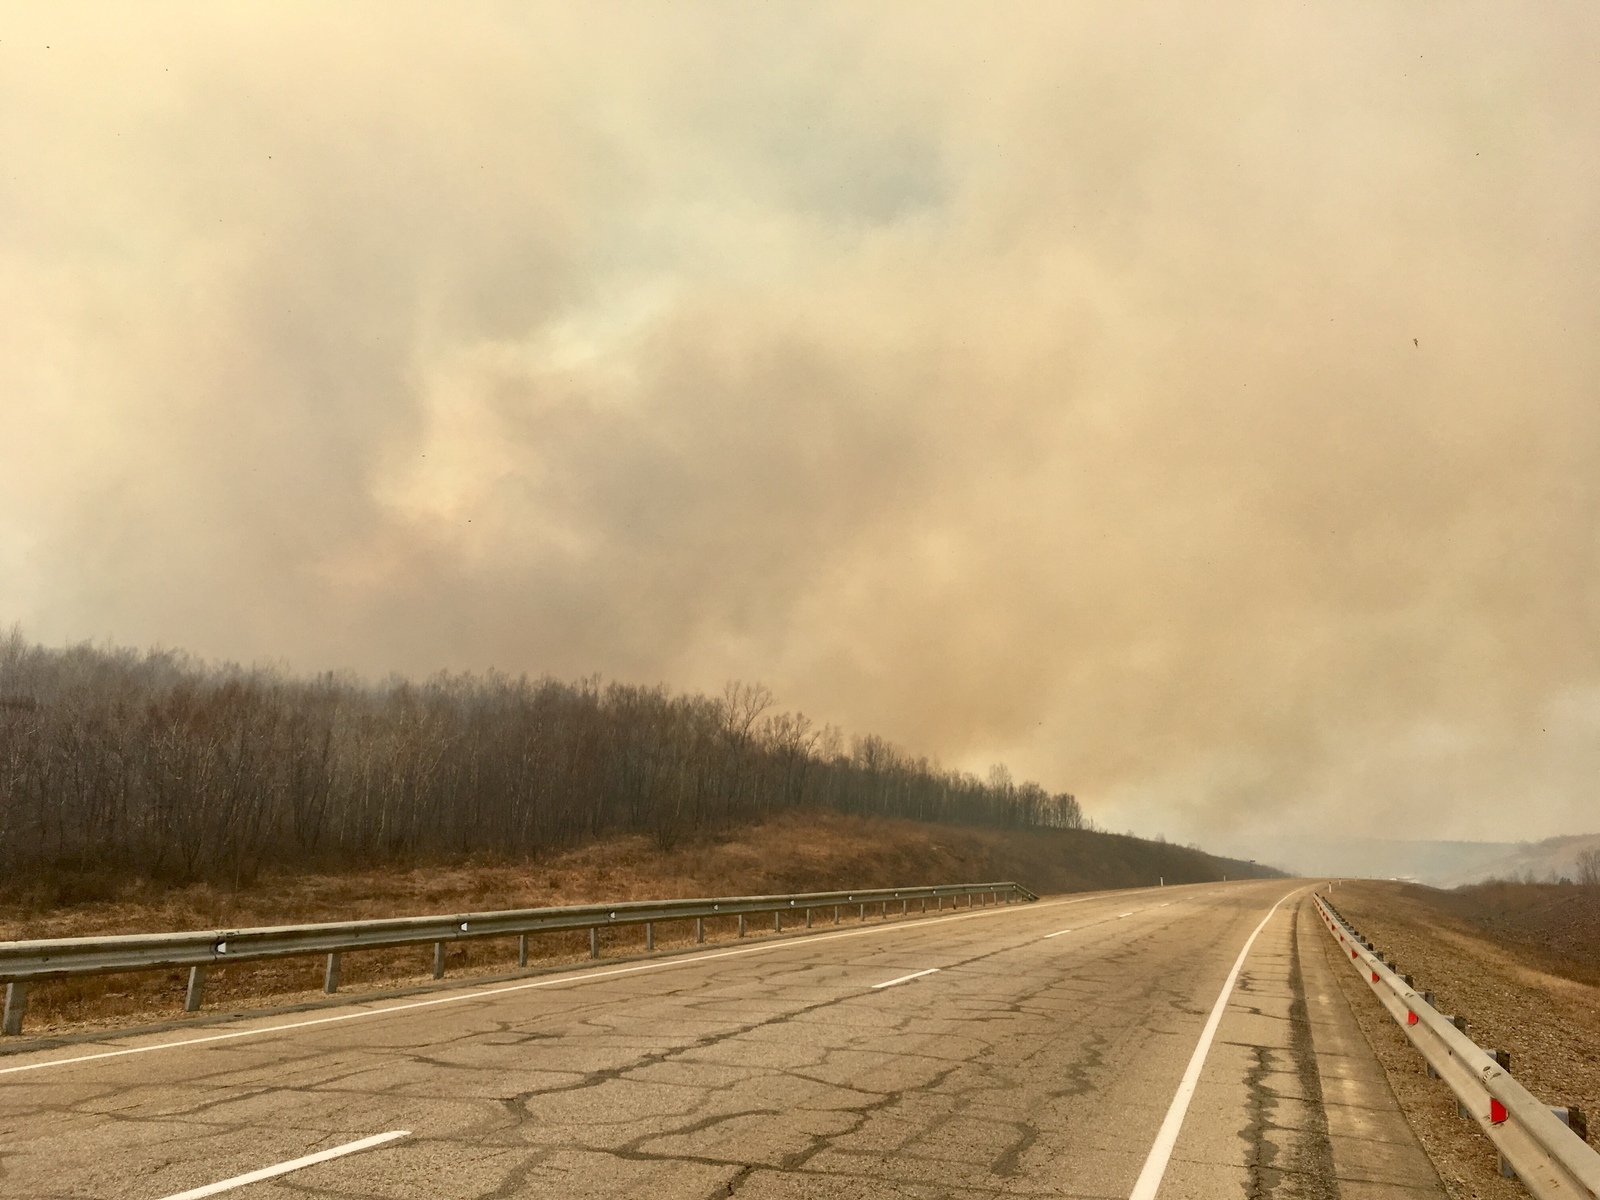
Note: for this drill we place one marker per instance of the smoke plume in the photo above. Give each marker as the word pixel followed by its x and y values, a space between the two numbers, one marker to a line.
pixel 1194 407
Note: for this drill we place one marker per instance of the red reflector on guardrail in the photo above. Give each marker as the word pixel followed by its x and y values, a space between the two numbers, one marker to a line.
pixel 1497 1112
pixel 1374 977
pixel 1411 1017
pixel 1352 954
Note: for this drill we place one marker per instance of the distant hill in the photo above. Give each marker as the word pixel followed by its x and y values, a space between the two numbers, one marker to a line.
pixel 1437 863
pixel 1552 859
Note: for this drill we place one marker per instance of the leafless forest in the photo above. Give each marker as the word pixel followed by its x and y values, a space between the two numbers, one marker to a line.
pixel 157 765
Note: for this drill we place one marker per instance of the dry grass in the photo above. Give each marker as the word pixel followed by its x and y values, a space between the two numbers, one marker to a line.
pixel 1481 952
pixel 813 851
pixel 1552 927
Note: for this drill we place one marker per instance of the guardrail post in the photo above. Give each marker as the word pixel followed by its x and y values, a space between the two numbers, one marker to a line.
pixel 649 935
pixel 699 929
pixel 522 950
pixel 1575 1119
pixel 885 913
pixel 938 904
pixel 808 918
pixel 16 1002
pixel 330 974
pixel 863 912
pixel 741 924
pixel 197 985
pixel 835 914
pixel 438 960
pixel 905 907
pixel 594 942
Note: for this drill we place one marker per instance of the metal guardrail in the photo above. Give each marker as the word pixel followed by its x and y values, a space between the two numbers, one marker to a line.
pixel 22 963
pixel 1552 1161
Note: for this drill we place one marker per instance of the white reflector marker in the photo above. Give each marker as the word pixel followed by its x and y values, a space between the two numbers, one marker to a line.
pixel 904 978
pixel 238 1181
pixel 1155 1164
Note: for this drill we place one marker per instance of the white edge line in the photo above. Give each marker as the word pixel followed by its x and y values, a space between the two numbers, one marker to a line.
pixel 904 978
pixel 482 993
pixel 1155 1165
pixel 294 1164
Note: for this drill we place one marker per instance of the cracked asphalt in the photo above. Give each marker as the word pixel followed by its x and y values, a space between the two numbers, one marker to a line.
pixel 1026 1064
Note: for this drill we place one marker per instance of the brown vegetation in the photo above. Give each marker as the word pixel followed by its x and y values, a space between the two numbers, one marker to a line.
pixel 1485 952
pixel 797 851
pixel 1552 927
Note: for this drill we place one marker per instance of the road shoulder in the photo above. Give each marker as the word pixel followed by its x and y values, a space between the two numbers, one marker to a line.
pixel 1376 1153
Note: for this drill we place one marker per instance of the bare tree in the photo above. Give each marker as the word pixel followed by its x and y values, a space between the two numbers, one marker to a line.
pixel 1589 867
pixel 155 764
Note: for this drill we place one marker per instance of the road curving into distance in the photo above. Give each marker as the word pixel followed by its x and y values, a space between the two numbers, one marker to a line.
pixel 1085 1046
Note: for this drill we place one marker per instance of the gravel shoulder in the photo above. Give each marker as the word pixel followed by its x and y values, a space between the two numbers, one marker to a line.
pixel 1550 1024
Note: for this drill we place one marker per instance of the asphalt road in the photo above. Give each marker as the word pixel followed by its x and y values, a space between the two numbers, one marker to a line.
pixel 1027 1050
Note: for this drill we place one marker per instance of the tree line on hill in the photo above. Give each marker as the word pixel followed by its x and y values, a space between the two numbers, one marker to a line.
pixel 159 765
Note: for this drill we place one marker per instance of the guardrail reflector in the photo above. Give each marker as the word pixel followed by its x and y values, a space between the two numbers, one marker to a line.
pixel 1352 954
pixel 1497 1112
pixel 1374 977
pixel 1411 1017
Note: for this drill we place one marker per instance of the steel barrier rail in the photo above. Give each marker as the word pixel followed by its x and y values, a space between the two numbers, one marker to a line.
pixel 22 963
pixel 1552 1161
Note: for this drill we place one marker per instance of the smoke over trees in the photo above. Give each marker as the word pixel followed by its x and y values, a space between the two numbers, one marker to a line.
pixel 156 764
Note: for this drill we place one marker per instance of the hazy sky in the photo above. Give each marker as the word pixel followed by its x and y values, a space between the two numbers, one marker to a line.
pixel 1194 406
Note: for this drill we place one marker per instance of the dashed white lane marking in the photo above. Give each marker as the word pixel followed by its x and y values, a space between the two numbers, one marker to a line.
pixel 904 978
pixel 1057 933
pixel 1155 1165
pixel 489 993
pixel 1121 915
pixel 294 1164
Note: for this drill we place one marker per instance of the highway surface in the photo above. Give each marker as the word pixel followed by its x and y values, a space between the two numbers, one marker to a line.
pixel 1085 1046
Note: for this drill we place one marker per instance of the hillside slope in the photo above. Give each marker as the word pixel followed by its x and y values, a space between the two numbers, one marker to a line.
pixel 799 851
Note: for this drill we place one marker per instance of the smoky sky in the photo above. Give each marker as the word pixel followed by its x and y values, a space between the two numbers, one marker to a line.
pixel 1194 407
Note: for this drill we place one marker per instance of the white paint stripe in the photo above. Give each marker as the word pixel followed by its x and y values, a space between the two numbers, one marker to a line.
pixel 1057 933
pixel 238 1181
pixel 905 978
pixel 1121 915
pixel 554 981
pixel 1155 1165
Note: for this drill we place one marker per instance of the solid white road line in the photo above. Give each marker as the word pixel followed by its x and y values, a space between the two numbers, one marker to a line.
pixel 227 1185
pixel 904 978
pixel 486 993
pixel 1155 1165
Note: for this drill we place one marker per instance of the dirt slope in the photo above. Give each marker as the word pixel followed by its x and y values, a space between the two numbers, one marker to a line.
pixel 1496 976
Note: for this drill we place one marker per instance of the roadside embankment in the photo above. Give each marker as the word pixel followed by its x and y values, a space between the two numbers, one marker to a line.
pixel 795 852
pixel 1502 983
